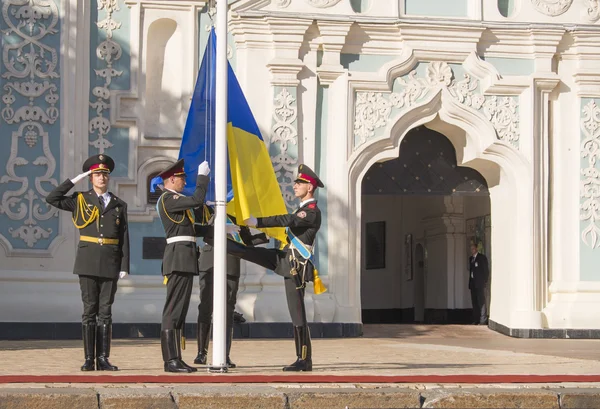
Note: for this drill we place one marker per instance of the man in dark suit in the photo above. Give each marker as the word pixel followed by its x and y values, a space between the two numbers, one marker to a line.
pixel 180 259
pixel 102 254
pixel 479 274
pixel 206 267
pixel 296 270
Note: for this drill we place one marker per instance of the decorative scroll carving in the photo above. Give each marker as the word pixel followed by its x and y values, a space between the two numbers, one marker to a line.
pixel 282 3
pixel 591 10
pixel 552 8
pixel 322 3
pixel 29 102
pixel 107 51
pixel 502 113
pixel 283 134
pixel 590 182
pixel 373 109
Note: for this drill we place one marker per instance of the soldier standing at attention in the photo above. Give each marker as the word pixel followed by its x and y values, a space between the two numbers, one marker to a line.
pixel 294 263
pixel 237 234
pixel 180 260
pixel 102 254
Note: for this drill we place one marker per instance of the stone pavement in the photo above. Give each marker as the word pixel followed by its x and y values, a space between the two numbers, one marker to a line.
pixel 391 366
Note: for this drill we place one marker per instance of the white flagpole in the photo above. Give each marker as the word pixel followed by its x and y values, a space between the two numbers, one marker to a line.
pixel 219 363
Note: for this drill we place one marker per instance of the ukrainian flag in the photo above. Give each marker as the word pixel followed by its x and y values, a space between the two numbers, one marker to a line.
pixel 251 181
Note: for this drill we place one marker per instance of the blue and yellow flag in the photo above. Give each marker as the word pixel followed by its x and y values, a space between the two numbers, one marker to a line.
pixel 251 181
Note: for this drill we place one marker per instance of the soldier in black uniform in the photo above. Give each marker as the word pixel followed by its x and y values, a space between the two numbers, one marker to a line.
pixel 296 270
pixel 206 266
pixel 102 253
pixel 180 260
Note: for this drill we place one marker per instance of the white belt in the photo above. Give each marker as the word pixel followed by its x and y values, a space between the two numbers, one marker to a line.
pixel 180 238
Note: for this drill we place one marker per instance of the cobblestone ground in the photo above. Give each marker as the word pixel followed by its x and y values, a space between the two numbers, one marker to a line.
pixel 383 350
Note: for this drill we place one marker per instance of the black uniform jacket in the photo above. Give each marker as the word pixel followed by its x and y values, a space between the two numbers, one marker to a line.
pixel 94 259
pixel 481 271
pixel 304 224
pixel 172 208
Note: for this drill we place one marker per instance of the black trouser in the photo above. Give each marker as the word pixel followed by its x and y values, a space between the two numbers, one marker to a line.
pixel 179 291
pixel 98 295
pixel 205 308
pixel 276 260
pixel 479 304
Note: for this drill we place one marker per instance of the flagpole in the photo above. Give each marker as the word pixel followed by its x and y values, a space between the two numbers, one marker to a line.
pixel 219 363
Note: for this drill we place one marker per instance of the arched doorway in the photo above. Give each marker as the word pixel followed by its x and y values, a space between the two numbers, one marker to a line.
pixel 421 197
pixel 508 172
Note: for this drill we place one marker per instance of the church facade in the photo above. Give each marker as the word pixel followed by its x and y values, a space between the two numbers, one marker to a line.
pixel 433 125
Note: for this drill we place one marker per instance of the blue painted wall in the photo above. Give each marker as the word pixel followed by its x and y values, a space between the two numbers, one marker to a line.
pixel 436 8
pixel 511 66
pixel 114 55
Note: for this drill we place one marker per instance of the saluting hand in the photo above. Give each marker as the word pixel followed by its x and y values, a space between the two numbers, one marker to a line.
pixel 251 221
pixel 203 168
pixel 80 176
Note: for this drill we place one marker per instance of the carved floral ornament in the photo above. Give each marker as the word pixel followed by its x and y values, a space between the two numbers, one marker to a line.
pixel 552 8
pixel 373 109
pixel 590 175
pixel 29 108
pixel 108 51
pixel 284 133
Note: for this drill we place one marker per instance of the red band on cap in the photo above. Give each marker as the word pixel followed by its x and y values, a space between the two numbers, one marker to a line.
pixel 304 177
pixel 99 167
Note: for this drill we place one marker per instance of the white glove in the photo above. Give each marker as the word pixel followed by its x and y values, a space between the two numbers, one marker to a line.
pixel 251 221
pixel 122 274
pixel 232 228
pixel 80 176
pixel 203 168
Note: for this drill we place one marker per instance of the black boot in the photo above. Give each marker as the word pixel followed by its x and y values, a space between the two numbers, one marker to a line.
pixel 178 338
pixel 203 340
pixel 170 352
pixel 228 341
pixel 89 346
pixel 104 335
pixel 303 351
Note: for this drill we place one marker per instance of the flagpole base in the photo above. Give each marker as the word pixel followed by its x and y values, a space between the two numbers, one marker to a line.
pixel 217 369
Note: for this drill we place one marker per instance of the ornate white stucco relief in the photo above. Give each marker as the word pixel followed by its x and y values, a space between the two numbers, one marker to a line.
pixel 590 181
pixel 282 3
pixel 552 7
pixel 30 66
pixel 373 109
pixel 502 113
pixel 591 10
pixel 283 134
pixel 107 51
pixel 322 3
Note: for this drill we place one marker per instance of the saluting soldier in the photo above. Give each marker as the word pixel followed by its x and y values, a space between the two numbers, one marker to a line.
pixel 206 267
pixel 294 262
pixel 180 260
pixel 102 254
